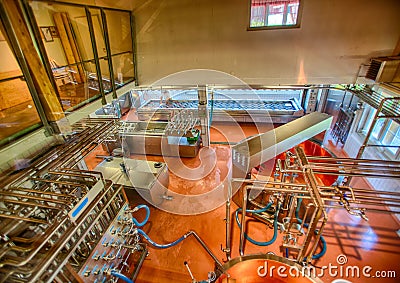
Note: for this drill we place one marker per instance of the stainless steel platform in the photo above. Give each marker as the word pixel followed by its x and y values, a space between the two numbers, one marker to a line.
pixel 152 139
pixel 149 178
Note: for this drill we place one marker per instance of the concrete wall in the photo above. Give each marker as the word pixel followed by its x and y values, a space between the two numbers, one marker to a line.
pixel 335 37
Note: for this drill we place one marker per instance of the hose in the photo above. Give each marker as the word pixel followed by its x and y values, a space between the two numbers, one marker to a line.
pixel 140 224
pixel 264 209
pixel 321 238
pixel 324 247
pixel 298 208
pixel 259 211
pixel 141 232
pixel 121 276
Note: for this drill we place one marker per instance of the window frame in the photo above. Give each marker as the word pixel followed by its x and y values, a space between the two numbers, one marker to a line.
pixel 297 25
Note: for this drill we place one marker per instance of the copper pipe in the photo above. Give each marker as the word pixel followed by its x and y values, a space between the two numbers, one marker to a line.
pixel 34 204
pixel 44 192
pixel 352 160
pixel 32 220
pixel 244 207
pixel 66 183
pixel 227 249
pixel 7 193
pixel 17 261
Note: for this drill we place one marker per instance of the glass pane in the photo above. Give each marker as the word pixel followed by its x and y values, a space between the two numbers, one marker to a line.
pixel 368 121
pixel 257 18
pixel 378 128
pixel 123 68
pixel 119 31
pixel 395 142
pixel 101 48
pixel 392 137
pixel 73 94
pixel 105 74
pixel 292 12
pixel 17 111
pixel 98 32
pixel 92 81
pixel 275 15
pixel 66 38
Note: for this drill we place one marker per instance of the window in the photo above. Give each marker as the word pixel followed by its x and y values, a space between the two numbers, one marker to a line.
pixel 274 13
pixel 386 132
pixel 18 114
pixel 392 137
pixel 379 126
pixel 366 119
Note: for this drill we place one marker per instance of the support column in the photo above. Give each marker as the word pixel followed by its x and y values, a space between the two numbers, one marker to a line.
pixel 204 115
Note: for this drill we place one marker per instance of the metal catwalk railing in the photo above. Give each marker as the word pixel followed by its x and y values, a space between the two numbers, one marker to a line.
pixel 297 201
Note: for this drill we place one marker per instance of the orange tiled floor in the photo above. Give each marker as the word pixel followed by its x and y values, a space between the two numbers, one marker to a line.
pixel 374 243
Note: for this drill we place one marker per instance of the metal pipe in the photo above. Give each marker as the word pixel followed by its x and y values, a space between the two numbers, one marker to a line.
pixel 243 221
pixel 66 239
pixel 356 174
pixel 64 172
pixel 376 192
pixel 66 183
pixel 32 220
pixel 227 249
pixel 327 197
pixel 352 160
pixel 141 261
pixel 351 166
pixel 44 193
pixel 11 194
pixel 55 228
pixel 53 252
pixel 206 248
pixel 34 204
pixel 91 137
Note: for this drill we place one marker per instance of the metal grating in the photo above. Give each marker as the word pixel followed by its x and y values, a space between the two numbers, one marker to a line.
pixel 373 69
